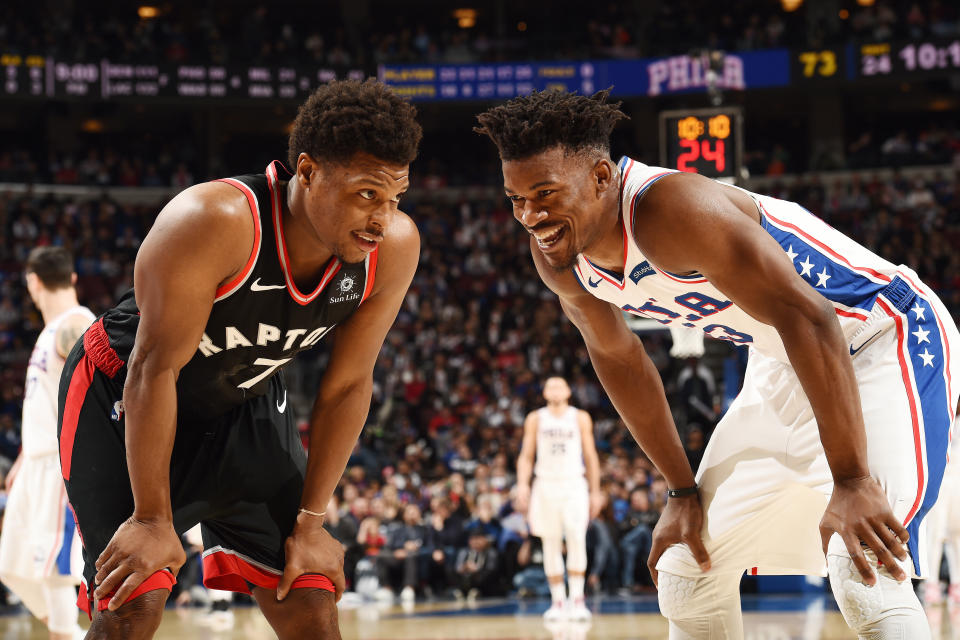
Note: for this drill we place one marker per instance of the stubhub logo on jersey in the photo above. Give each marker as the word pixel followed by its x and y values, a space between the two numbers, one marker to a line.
pixel 346 292
pixel 640 271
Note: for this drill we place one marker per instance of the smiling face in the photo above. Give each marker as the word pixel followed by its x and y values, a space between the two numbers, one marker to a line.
pixel 349 207
pixel 565 200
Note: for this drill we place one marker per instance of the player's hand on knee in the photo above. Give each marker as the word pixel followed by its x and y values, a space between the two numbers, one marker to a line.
pixel 137 550
pixel 859 511
pixel 680 523
pixel 311 549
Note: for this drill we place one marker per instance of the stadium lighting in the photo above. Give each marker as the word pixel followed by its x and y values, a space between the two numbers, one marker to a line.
pixel 146 12
pixel 790 5
pixel 844 14
pixel 866 3
pixel 466 18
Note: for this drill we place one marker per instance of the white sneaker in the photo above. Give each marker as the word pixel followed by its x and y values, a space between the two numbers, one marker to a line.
pixel 408 594
pixel 384 594
pixel 577 610
pixel 557 611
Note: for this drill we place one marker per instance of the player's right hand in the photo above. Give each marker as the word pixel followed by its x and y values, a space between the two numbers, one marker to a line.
pixel 680 523
pixel 137 550
pixel 522 502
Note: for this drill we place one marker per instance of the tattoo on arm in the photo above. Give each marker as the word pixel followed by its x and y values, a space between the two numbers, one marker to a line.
pixel 67 336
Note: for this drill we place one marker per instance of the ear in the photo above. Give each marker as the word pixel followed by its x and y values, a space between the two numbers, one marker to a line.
pixel 605 175
pixel 73 279
pixel 307 167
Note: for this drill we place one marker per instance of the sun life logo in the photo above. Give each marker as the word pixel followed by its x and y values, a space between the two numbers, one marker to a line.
pixel 346 284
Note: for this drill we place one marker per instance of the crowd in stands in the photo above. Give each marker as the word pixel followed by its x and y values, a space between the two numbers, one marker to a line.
pixel 427 500
pixel 364 34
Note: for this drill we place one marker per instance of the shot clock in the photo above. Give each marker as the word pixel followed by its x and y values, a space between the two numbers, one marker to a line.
pixel 704 141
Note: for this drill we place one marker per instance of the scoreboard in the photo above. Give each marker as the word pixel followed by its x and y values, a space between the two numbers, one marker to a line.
pixel 44 77
pixel 704 141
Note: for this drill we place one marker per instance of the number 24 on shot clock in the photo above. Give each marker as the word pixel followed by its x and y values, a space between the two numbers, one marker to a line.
pixel 704 141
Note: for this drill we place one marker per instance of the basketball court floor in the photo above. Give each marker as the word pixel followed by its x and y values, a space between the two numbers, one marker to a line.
pixel 766 617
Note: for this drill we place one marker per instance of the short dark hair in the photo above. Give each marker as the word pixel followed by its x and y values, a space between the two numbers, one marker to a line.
pixel 53 265
pixel 528 125
pixel 348 116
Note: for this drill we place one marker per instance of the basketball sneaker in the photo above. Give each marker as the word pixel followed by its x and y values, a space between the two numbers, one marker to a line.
pixel 557 611
pixel 577 610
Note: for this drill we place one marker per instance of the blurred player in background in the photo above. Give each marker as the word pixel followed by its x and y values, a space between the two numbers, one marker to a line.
pixel 39 550
pixel 174 406
pixel 943 533
pixel 561 501
pixel 846 349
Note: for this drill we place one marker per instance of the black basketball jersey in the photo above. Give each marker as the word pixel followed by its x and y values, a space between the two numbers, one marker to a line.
pixel 260 320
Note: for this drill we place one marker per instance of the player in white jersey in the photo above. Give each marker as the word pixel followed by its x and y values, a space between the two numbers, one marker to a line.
pixel 39 549
pixel 846 350
pixel 561 501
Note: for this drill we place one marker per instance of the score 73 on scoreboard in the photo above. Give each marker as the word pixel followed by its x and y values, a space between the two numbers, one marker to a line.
pixel 704 141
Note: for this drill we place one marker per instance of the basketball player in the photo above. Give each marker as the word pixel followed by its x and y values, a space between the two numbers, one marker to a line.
pixel 849 394
pixel 39 560
pixel 561 502
pixel 174 409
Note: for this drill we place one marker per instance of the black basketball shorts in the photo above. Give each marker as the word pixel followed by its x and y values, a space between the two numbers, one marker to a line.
pixel 239 475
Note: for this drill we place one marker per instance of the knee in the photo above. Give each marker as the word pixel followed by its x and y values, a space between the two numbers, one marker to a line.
pixel 135 619
pixel 316 621
pixel 884 610
pixel 676 595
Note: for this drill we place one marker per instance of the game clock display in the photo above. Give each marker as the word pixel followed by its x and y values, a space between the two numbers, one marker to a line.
pixel 905 60
pixel 704 141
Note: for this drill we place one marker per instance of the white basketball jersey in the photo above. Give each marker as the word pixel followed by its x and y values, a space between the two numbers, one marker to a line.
pixel 39 430
pixel 841 270
pixel 559 446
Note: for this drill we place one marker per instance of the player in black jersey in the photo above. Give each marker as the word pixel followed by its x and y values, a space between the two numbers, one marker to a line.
pixel 173 409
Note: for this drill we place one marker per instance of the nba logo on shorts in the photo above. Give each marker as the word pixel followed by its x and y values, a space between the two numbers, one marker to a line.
pixel 117 411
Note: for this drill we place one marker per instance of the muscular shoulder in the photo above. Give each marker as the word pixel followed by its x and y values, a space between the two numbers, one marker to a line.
pixel 399 253
pixel 684 214
pixel 209 222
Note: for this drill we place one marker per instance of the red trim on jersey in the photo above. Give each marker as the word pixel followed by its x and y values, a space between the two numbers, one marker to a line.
pixel 162 579
pixel 917 444
pixel 224 290
pixel 96 344
pixel 809 238
pixel 231 572
pixel 753 571
pixel 946 368
pixel 76 393
pixel 371 273
pixel 332 267
pixel 850 314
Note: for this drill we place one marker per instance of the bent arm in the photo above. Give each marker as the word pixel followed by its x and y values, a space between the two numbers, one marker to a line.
pixel 723 240
pixel 176 275
pixel 626 372
pixel 343 399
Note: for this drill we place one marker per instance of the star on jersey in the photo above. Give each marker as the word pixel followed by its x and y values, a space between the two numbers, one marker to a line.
pixel 793 254
pixel 921 335
pixel 927 358
pixel 917 309
pixel 806 266
pixel 822 278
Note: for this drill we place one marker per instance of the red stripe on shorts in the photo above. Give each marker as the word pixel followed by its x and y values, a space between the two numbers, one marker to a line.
pixel 162 579
pixel 79 385
pixel 230 572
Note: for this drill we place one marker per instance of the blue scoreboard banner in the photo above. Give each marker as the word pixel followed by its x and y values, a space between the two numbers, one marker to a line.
pixel 647 77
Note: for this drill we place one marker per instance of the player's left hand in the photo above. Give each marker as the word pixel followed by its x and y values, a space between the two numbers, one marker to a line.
pixel 596 504
pixel 311 549
pixel 680 523
pixel 859 512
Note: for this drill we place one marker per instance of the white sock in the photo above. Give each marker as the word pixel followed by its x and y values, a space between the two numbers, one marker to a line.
pixel 558 591
pixel 576 588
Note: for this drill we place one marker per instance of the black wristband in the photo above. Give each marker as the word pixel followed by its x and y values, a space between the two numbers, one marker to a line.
pixel 679 493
